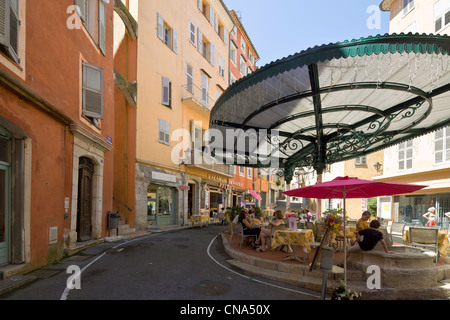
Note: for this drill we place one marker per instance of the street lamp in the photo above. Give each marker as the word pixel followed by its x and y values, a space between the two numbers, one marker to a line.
pixel 378 167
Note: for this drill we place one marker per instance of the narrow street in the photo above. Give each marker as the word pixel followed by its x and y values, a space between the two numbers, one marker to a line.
pixel 188 264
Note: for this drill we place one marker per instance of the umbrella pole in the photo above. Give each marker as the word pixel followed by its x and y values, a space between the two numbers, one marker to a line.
pixel 345 244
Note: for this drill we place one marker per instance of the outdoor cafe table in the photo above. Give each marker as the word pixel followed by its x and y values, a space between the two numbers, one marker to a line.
pixel 443 243
pixel 200 218
pixel 301 237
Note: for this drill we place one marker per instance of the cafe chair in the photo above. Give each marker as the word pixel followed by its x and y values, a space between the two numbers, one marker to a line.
pixel 312 226
pixel 240 233
pixel 425 237
pixel 351 223
pixel 272 232
pixel 397 231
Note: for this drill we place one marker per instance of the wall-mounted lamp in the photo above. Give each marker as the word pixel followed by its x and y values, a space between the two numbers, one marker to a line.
pixel 378 167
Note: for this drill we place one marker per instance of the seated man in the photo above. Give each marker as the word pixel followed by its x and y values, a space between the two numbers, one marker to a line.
pixel 370 240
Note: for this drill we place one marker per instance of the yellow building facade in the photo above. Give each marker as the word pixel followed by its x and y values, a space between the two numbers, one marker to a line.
pixel 183 53
pixel 424 160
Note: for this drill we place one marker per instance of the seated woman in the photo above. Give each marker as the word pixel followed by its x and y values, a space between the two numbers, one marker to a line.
pixel 247 225
pixel 265 233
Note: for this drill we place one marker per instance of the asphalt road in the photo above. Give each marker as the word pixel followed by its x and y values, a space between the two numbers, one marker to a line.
pixel 182 265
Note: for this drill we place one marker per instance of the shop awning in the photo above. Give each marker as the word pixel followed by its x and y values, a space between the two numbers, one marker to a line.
pixel 335 102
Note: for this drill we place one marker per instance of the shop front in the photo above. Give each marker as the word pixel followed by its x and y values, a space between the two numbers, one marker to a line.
pixel 158 197
pixel 217 193
pixel 161 204
pixel 411 208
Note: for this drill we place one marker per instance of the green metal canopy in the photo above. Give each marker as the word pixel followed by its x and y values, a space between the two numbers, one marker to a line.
pixel 335 102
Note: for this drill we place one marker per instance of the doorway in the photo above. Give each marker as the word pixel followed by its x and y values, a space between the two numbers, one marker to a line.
pixel 4 215
pixel 191 201
pixel 84 208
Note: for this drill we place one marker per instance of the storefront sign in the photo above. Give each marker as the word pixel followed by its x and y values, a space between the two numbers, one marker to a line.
pixel 164 177
pixel 217 178
pixel 363 204
pixel 235 183
pixel 181 187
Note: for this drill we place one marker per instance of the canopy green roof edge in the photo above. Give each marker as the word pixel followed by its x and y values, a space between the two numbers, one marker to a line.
pixel 417 43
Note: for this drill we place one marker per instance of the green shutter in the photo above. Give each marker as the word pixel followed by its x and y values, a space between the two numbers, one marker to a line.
pixel 102 25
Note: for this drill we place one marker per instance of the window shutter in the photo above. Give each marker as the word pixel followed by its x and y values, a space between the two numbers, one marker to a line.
pixel 174 41
pixel 204 90
pixel 92 91
pixel 211 15
pixel 189 78
pixel 212 53
pixel 439 146
pixel 14 24
pixel 225 35
pixel 160 26
pixel 192 33
pixel 200 41
pixel 161 130
pixel 165 91
pixel 167 133
pixel 447 144
pixel 221 66
pixel 102 25
pixel 216 23
pixel 438 24
pixel 81 4
pixel 4 22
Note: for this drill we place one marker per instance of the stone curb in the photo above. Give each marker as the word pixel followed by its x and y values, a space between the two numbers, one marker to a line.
pixel 296 274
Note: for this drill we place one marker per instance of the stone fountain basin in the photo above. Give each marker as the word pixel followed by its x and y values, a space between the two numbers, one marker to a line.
pixel 406 267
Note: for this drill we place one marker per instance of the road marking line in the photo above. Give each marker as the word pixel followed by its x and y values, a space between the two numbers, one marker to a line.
pixel 253 279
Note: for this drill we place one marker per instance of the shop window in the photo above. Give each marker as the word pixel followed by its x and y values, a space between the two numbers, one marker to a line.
pixel 160 201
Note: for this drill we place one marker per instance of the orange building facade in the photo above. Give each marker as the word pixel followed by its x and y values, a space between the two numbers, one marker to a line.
pixel 56 128
pixel 243 58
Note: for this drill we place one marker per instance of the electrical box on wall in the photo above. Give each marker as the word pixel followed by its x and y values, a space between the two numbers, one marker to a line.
pixel 53 235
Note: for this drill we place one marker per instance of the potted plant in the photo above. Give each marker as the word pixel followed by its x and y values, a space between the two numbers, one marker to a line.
pixel 342 292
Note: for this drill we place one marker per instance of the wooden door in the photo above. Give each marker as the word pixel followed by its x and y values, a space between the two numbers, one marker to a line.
pixel 84 217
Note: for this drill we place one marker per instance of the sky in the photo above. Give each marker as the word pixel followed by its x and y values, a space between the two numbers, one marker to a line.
pixel 279 28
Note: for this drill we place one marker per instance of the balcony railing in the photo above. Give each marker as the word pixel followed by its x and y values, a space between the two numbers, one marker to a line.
pixel 199 159
pixel 192 93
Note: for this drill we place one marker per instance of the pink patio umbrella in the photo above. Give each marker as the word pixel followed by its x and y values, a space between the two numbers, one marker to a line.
pixel 348 187
pixel 255 194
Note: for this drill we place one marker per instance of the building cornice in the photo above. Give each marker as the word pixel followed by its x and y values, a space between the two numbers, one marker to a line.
pixel 385 5
pixel 79 132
